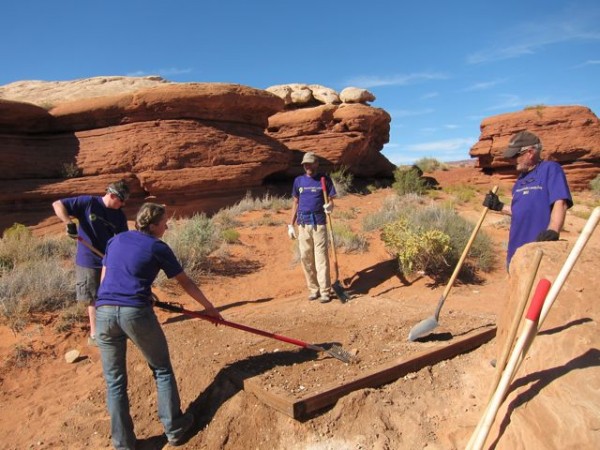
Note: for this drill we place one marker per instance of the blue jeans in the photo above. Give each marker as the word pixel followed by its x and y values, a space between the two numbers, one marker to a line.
pixel 114 324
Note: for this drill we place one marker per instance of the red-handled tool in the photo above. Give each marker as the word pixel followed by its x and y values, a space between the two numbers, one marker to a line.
pixel 527 335
pixel 336 351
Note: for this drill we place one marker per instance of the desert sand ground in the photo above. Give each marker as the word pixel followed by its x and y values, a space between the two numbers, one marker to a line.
pixel 46 403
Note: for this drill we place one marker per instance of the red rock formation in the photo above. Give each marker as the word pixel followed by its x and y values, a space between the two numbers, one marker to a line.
pixel 350 135
pixel 570 135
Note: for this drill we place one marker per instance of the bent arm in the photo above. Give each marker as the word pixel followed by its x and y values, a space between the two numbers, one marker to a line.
pixel 61 211
pixel 194 291
pixel 294 211
pixel 557 216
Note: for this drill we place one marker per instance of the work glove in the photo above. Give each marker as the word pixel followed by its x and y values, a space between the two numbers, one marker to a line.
pixel 72 230
pixel 492 202
pixel 291 232
pixel 328 207
pixel 548 235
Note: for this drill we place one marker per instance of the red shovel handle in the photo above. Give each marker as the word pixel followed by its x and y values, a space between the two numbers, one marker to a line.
pixel 537 302
pixel 324 187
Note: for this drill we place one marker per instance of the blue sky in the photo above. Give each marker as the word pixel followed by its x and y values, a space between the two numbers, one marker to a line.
pixel 438 67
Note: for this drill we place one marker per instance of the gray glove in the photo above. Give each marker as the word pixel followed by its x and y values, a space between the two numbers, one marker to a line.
pixel 72 230
pixel 492 202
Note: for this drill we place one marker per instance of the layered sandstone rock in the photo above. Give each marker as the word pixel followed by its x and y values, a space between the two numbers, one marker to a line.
pixel 570 135
pixel 171 140
pixel 194 145
pixel 350 135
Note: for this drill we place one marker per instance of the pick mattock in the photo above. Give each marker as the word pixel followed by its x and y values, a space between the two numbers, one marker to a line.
pixel 336 351
pixel 527 335
pixel 426 326
pixel 337 287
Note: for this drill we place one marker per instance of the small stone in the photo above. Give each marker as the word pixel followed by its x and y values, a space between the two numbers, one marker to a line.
pixel 71 356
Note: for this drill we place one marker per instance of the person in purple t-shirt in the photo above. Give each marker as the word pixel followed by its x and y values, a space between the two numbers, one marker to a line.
pixel 540 196
pixel 309 211
pixel 100 218
pixel 124 311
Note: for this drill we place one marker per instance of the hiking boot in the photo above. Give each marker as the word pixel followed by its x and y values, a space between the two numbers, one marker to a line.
pixel 187 433
pixel 92 341
pixel 325 298
pixel 312 297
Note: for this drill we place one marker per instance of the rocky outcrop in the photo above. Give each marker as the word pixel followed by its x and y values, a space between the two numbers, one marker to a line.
pixel 187 144
pixel 570 135
pixel 188 140
pixel 350 135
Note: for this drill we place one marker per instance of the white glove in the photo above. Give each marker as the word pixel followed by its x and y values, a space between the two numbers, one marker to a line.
pixel 291 232
pixel 328 207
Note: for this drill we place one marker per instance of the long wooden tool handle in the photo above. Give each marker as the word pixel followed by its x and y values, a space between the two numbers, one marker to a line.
pixel 90 246
pixel 528 333
pixel 330 229
pixel 570 262
pixel 462 258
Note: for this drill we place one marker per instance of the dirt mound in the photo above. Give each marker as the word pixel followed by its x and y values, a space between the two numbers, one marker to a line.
pixel 60 405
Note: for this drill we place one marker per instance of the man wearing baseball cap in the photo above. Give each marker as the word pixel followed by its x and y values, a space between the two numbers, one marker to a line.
pixel 99 218
pixel 540 196
pixel 309 212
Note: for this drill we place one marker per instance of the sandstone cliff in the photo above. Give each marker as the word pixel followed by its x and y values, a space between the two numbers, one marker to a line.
pixel 570 135
pixel 196 146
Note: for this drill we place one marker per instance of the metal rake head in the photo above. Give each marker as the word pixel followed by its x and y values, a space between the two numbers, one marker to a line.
pixel 338 352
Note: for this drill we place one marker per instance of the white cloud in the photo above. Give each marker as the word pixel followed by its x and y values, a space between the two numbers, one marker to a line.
pixel 368 81
pixel 483 85
pixel 451 126
pixel 528 37
pixel 589 62
pixel 429 95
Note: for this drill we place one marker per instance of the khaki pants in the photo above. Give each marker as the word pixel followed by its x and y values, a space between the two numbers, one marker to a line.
pixel 312 241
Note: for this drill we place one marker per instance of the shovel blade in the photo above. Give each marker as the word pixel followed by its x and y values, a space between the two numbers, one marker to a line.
pixel 423 328
pixel 339 291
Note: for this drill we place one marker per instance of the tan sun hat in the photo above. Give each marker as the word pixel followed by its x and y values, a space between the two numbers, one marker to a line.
pixel 309 158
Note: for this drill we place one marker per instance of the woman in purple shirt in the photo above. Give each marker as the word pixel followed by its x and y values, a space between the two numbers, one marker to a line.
pixel 124 311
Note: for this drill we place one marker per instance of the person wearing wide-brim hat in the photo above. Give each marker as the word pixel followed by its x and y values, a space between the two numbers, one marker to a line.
pixel 99 218
pixel 540 195
pixel 309 212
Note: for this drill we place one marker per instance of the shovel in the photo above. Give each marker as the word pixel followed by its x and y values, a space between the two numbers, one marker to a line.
pixel 426 326
pixel 336 351
pixel 337 287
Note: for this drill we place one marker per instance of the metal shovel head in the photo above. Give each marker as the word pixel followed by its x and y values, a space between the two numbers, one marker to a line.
pixel 339 291
pixel 423 328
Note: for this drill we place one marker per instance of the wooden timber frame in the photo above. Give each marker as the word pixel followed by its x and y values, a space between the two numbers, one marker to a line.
pixel 301 408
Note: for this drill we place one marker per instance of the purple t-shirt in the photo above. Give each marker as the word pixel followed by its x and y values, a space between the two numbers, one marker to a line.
pixel 133 260
pixel 309 193
pixel 97 224
pixel 534 193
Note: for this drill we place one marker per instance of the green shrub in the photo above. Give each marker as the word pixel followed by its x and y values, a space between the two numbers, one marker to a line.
pixel 342 181
pixel 230 235
pixel 70 170
pixel 430 164
pixel 408 180
pixel 462 192
pixel 349 241
pixel 419 220
pixel 392 208
pixel 595 185
pixel 416 249
pixel 193 240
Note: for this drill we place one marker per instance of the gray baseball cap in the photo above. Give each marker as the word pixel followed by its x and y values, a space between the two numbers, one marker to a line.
pixel 519 141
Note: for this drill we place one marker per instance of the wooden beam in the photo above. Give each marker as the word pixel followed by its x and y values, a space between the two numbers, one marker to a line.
pixel 310 403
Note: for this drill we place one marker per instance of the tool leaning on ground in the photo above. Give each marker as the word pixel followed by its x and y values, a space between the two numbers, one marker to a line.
pixel 336 286
pixel 426 326
pixel 336 351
